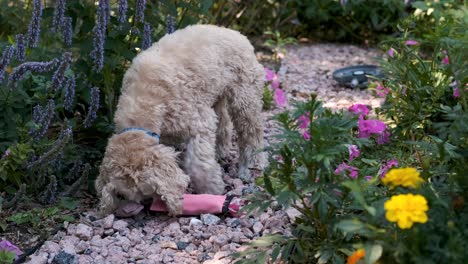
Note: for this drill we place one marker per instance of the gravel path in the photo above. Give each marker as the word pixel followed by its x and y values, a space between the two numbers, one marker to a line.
pixel 156 238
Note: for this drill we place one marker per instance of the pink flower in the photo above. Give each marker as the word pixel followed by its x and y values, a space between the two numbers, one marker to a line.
pixel 304 121
pixel 306 135
pixel 269 74
pixel 390 52
pixel 445 60
pixel 353 152
pixel 456 92
pixel 368 178
pixel 343 167
pixel 411 42
pixel 275 82
pixel 383 170
pixel 369 127
pixel 359 109
pixel 280 97
pixel 381 90
pixel 9 247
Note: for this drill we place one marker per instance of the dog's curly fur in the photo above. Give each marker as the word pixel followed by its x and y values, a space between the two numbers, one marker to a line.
pixel 194 86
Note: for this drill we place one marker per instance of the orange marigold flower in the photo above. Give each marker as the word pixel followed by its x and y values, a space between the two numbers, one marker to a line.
pixel 356 256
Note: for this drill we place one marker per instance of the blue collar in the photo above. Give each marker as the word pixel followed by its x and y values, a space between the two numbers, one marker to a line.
pixel 149 133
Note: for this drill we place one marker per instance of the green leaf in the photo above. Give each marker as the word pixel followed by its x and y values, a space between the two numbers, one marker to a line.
pixel 373 253
pixel 68 203
pixel 350 226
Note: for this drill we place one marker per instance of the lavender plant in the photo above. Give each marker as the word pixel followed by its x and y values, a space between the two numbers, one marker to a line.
pixel 170 24
pixel 93 107
pixel 146 36
pixel 20 47
pixel 39 74
pixel 34 28
pixel 7 55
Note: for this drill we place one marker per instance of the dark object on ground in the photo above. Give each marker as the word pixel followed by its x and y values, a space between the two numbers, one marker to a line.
pixel 356 76
pixel 65 258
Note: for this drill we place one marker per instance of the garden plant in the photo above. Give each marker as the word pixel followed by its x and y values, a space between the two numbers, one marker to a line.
pixel 371 185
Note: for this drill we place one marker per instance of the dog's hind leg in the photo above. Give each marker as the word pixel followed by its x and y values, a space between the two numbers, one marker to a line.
pixel 224 130
pixel 200 156
pixel 245 106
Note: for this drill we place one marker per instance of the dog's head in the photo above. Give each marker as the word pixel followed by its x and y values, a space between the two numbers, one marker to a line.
pixel 137 167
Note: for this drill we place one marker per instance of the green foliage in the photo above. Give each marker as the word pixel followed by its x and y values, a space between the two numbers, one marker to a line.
pixel 267 98
pixel 426 111
pixel 357 20
pixel 37 216
pixel 7 257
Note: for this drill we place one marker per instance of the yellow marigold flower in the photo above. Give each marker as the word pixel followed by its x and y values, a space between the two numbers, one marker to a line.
pixel 406 209
pixel 406 177
pixel 356 256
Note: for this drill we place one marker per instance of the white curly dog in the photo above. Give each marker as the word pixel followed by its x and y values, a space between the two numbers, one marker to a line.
pixel 187 87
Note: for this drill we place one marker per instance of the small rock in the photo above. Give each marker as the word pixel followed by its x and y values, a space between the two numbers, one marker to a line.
pixel 209 219
pixel 174 227
pixel 38 259
pixel 221 240
pixel 155 238
pixel 65 258
pixel 168 244
pixel 108 221
pixel 81 246
pixel 220 255
pixel 119 225
pixel 195 222
pixel 84 232
pixel 235 222
pixel 109 232
pixel 246 222
pixel 257 227
pixel 182 245
pixel 292 213
pixel 51 247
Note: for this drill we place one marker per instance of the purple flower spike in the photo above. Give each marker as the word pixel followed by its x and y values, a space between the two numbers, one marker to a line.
pixel 93 107
pixel 170 24
pixel 7 55
pixel 59 13
pixel 146 36
pixel 69 95
pixel 140 11
pixel 59 74
pixel 67 32
pixel 34 28
pixel 122 12
pixel 9 247
pixel 20 47
pixel 42 118
pixel 33 66
pixel 99 32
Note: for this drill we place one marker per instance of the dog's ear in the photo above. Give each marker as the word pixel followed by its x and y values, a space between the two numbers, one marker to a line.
pixel 169 184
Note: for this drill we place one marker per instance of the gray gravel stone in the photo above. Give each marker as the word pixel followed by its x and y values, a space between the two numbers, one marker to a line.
pixel 209 219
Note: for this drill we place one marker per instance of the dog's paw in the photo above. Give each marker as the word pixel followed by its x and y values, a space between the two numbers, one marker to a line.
pixel 174 206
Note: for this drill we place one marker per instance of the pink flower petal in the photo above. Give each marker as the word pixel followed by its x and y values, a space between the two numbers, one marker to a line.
pixel 381 90
pixel 269 74
pixel 303 121
pixel 359 109
pixel 390 52
pixel 306 135
pixel 368 178
pixel 353 152
pixel 456 92
pixel 411 42
pixel 275 82
pixel 280 97
pixel 445 60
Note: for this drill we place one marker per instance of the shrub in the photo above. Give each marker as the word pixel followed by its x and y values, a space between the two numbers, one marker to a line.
pixel 60 74
pixel 367 190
